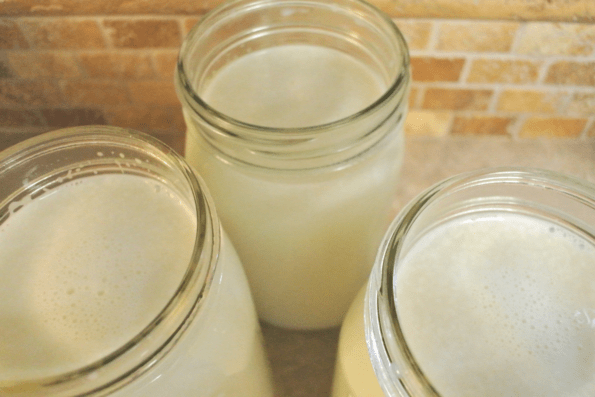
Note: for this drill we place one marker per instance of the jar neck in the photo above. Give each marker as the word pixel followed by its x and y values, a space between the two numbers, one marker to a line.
pixel 532 192
pixel 240 27
pixel 96 150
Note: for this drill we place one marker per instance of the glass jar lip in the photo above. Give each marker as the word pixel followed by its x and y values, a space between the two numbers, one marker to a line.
pixel 189 96
pixel 171 322
pixel 390 355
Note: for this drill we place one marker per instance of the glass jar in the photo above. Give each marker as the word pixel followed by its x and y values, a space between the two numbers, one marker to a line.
pixel 294 112
pixel 481 287
pixel 115 275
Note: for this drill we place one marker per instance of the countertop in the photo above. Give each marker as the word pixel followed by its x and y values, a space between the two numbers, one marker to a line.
pixel 303 362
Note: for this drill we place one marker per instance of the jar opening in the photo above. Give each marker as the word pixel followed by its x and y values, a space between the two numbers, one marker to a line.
pixel 472 214
pixel 114 169
pixel 294 30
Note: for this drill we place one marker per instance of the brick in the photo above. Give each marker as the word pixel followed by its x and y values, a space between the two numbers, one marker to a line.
pixel 436 69
pixel 111 7
pixel 503 71
pixel 60 118
pixel 35 65
pixel 528 101
pixel 165 63
pixel 5 69
pixel 189 24
pixel 116 65
pixel 480 125
pixel 416 33
pixel 20 118
pixel 554 10
pixel 144 33
pixel 85 92
pixel 546 38
pixel 153 93
pixel 536 127
pixel 26 93
pixel 480 36
pixel 427 123
pixel 413 92
pixel 11 37
pixel 551 10
pixel 582 104
pixel 571 73
pixel 169 7
pixel 62 33
pixel 456 99
pixel 147 118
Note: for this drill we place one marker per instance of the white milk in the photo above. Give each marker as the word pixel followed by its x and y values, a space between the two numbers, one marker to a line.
pixel 501 305
pixel 492 305
pixel 293 86
pixel 307 239
pixel 88 265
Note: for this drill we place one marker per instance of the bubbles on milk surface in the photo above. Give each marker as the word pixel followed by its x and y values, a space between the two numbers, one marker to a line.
pixel 85 268
pixel 293 86
pixel 488 307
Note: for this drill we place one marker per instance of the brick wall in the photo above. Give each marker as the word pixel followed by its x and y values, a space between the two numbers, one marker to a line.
pixel 520 68
pixel 520 79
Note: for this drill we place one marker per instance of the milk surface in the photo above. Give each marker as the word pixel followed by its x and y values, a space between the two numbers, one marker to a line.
pixel 293 86
pixel 85 268
pixel 88 265
pixel 501 304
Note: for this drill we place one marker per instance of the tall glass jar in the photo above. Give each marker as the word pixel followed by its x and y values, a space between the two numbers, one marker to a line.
pixel 294 113
pixel 116 278
pixel 483 286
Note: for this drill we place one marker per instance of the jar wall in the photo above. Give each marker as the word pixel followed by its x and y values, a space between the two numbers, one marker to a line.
pixel 304 206
pixel 161 305
pixel 307 240
pixel 221 352
pixel 354 375
pixel 456 300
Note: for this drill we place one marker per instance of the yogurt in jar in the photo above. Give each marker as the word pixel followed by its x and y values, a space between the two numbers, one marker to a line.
pixel 490 304
pixel 88 265
pixel 501 304
pixel 307 238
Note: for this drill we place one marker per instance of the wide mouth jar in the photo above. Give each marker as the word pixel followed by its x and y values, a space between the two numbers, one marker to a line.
pixel 242 27
pixel 41 167
pixel 527 214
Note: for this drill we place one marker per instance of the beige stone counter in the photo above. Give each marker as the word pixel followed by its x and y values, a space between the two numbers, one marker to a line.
pixel 303 362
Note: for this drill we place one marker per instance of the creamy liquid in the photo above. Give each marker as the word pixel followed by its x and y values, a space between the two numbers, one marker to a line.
pixel 501 305
pixel 221 354
pixel 84 268
pixel 307 239
pixel 88 265
pixel 293 86
pixel 308 242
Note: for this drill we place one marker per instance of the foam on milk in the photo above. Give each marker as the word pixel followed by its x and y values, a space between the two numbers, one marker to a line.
pixel 85 267
pixel 294 85
pixel 501 304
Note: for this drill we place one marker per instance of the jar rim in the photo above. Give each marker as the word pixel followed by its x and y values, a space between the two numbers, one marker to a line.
pixel 188 95
pixel 124 364
pixel 394 364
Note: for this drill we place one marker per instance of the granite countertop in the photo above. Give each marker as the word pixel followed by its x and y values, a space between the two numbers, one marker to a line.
pixel 303 362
